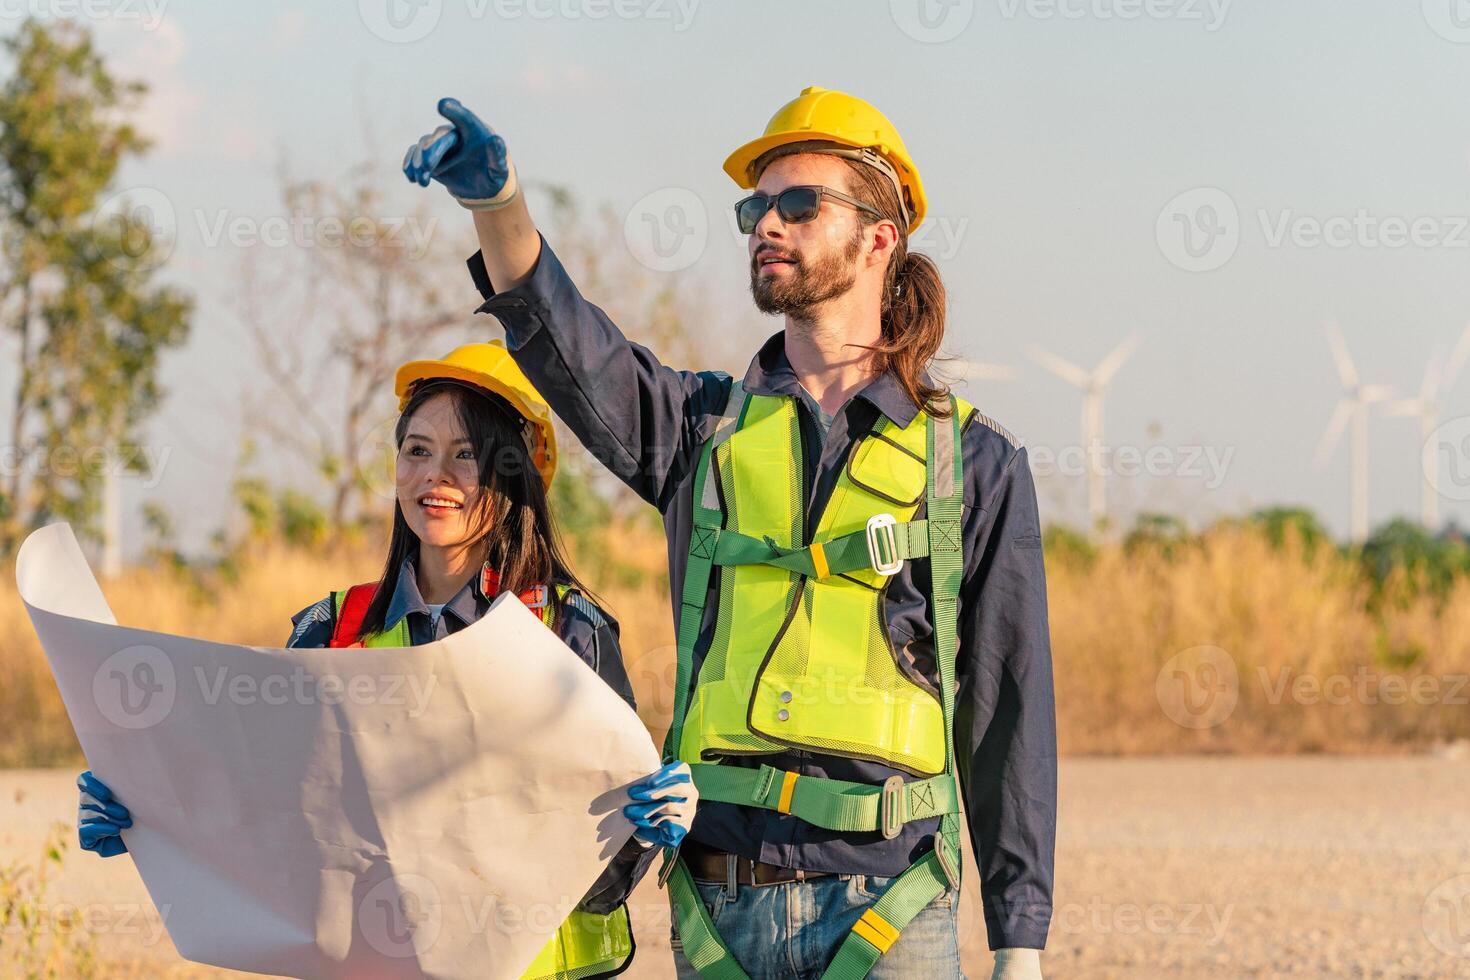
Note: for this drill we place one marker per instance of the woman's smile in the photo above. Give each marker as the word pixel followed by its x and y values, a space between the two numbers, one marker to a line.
pixel 439 506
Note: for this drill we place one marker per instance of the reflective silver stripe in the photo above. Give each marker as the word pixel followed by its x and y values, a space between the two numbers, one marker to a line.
pixel 997 428
pixel 586 607
pixel 321 612
pixel 943 461
pixel 724 429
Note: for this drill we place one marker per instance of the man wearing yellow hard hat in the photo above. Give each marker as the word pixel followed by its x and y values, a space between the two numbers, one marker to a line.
pixel 864 662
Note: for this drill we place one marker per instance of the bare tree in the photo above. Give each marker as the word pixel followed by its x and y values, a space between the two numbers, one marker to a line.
pixel 363 291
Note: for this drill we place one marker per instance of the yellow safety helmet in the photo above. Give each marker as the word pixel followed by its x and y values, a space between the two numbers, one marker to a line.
pixel 490 366
pixel 820 120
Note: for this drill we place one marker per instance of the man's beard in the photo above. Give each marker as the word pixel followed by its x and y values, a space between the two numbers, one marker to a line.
pixel 808 285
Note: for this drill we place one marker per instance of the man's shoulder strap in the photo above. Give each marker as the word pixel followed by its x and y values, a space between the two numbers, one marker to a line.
pixel 725 427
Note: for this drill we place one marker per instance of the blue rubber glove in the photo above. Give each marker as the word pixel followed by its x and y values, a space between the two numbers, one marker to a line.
pixel 100 818
pixel 663 807
pixel 466 156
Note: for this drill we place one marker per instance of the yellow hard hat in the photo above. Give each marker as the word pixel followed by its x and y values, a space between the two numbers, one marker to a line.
pixel 817 119
pixel 491 367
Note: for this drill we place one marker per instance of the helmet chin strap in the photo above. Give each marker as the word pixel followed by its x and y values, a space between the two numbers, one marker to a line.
pixel 863 154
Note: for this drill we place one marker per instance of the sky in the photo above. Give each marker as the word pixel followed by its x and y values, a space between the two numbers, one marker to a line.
pixel 1218 178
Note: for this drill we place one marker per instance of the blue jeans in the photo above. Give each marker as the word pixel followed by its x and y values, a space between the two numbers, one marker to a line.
pixel 792 930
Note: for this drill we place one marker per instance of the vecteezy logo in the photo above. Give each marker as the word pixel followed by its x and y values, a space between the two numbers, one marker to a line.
pixel 667 230
pixel 1446 916
pixel 932 21
pixel 1199 230
pixel 135 688
pixel 401 915
pixel 1198 687
pixel 400 21
pixel 1450 19
pixel 377 460
pixel 1446 459
pixel 142 222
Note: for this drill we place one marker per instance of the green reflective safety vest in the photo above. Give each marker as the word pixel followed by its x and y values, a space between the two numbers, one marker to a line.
pixel 586 945
pixel 806 661
pixel 800 655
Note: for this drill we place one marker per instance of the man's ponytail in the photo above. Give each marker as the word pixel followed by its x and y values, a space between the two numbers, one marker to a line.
pixel 912 317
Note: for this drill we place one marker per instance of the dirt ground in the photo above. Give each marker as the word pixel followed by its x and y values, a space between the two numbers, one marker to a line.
pixel 1177 867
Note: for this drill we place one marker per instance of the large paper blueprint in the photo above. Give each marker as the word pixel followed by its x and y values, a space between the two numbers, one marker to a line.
pixel 433 811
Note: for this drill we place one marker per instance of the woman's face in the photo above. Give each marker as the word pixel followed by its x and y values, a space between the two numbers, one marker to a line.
pixel 438 475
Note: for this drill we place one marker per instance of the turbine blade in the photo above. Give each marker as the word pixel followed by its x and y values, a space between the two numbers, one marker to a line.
pixel 1457 359
pixel 982 370
pixel 1333 433
pixel 1429 387
pixel 1340 356
pixel 1109 365
pixel 1405 407
pixel 1064 369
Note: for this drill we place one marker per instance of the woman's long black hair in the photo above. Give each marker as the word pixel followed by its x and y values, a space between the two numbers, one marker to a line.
pixel 512 518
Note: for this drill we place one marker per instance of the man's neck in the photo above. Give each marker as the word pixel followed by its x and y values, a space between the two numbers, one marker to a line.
pixel 826 351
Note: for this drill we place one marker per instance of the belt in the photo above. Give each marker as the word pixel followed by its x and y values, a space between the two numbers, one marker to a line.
pixel 708 864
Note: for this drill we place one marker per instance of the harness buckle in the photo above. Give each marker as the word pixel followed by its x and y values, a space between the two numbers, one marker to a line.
pixel 883 544
pixel 946 861
pixel 890 807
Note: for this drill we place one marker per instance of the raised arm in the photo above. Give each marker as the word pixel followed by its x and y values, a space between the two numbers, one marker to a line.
pixel 641 419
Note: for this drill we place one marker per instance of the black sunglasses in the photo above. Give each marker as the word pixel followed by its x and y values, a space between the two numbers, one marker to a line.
pixel 795 205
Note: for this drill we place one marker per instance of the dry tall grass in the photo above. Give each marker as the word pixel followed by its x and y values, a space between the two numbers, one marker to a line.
pixel 1315 669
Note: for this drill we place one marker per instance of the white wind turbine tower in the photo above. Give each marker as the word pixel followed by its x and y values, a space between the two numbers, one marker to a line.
pixel 1353 406
pixel 1094 384
pixel 1439 376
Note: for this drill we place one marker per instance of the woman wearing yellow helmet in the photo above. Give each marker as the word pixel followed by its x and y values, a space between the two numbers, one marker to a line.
pixel 476 452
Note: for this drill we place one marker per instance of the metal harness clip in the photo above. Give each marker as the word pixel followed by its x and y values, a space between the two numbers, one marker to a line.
pixel 947 861
pixel 883 544
pixel 890 809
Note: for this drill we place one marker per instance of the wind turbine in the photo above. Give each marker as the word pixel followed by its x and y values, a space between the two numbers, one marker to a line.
pixel 1439 376
pixel 967 370
pixel 1094 384
pixel 1353 406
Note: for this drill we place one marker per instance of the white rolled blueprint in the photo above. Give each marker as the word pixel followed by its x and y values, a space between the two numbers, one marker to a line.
pixel 434 811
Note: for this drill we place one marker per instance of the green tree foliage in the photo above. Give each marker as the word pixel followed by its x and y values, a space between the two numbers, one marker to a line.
pixel 1280 523
pixel 78 290
pixel 1068 545
pixel 1164 533
pixel 1424 560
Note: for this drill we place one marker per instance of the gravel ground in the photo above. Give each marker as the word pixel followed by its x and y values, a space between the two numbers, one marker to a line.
pixel 1179 867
